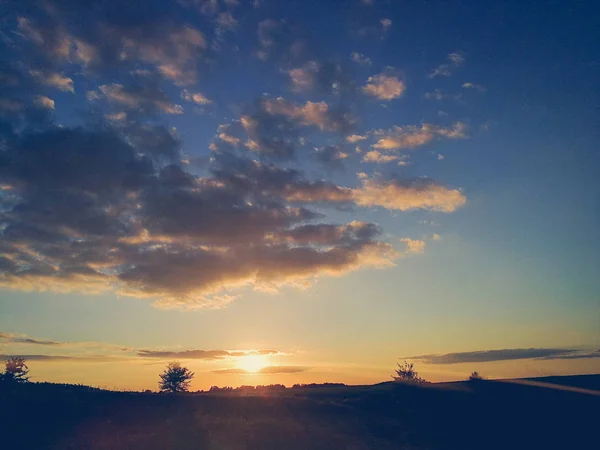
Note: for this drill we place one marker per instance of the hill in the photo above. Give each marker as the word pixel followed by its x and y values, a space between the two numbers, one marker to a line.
pixel 555 412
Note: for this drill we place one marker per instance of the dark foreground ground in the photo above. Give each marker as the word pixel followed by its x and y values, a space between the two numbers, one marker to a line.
pixel 527 414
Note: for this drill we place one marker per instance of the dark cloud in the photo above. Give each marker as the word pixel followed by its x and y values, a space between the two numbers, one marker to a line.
pixel 108 34
pixel 142 97
pixel 331 157
pixel 505 354
pixel 281 41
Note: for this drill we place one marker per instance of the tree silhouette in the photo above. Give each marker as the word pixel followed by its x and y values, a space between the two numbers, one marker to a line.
pixel 407 372
pixel 16 370
pixel 175 378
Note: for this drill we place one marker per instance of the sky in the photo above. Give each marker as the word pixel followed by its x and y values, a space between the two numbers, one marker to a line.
pixel 300 191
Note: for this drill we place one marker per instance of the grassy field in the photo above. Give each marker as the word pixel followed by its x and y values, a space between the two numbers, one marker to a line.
pixel 545 413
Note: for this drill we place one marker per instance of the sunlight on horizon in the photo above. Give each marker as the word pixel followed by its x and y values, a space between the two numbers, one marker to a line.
pixel 253 363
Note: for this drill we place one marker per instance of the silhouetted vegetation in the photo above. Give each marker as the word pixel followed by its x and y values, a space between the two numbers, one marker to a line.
pixel 475 376
pixel 406 372
pixel 16 371
pixel 387 416
pixel 175 378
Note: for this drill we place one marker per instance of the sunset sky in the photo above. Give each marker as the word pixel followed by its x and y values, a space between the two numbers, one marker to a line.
pixel 299 191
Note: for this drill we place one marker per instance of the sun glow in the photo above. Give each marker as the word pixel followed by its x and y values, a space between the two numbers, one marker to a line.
pixel 253 363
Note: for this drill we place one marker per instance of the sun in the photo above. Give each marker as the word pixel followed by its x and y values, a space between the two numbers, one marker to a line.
pixel 252 363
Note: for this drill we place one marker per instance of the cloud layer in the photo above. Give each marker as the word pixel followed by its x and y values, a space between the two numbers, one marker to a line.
pixel 101 186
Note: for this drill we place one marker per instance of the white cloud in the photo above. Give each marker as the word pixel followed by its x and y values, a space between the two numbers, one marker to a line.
pixel 384 87
pixel 353 138
pixel 374 156
pixel 414 246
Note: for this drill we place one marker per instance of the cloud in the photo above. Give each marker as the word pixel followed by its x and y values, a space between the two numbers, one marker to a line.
pixel 445 70
pixel 115 34
pixel 12 338
pixel 227 21
pixel 331 157
pixel 405 195
pixel 280 41
pixel 413 245
pixel 202 354
pixel 384 87
pixel 53 79
pixel 504 355
pixel 265 370
pixel 108 200
pixel 325 77
pixel 440 95
pixel 395 194
pixel 144 98
pixel 373 156
pixel 477 87
pixel 409 137
pixel 61 358
pixel 44 102
pixel 197 97
pixel 353 138
pixel 361 59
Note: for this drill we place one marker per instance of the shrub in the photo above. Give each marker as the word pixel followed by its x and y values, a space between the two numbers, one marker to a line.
pixel 475 376
pixel 406 372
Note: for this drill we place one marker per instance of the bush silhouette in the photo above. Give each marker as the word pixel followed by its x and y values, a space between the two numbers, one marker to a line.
pixel 475 376
pixel 175 378
pixel 16 370
pixel 406 372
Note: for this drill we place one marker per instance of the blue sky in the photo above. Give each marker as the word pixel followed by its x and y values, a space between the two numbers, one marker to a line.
pixel 319 188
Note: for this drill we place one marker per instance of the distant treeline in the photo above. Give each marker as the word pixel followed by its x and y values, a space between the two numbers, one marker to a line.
pixel 270 388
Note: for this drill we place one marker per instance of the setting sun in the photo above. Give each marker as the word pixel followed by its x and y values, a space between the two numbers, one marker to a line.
pixel 253 363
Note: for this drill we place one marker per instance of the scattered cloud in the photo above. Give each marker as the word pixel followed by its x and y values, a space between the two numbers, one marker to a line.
pixel 410 137
pixel 405 195
pixel 413 246
pixel 384 87
pixel 53 79
pixel 361 59
pixel 202 354
pixel 353 138
pixel 44 102
pixel 477 87
pixel 141 98
pixel 455 60
pixel 440 95
pixel 385 24
pixel 197 97
pixel 374 156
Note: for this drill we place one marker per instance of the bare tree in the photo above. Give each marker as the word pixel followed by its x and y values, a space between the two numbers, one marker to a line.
pixel 175 378
pixel 16 370
pixel 407 372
